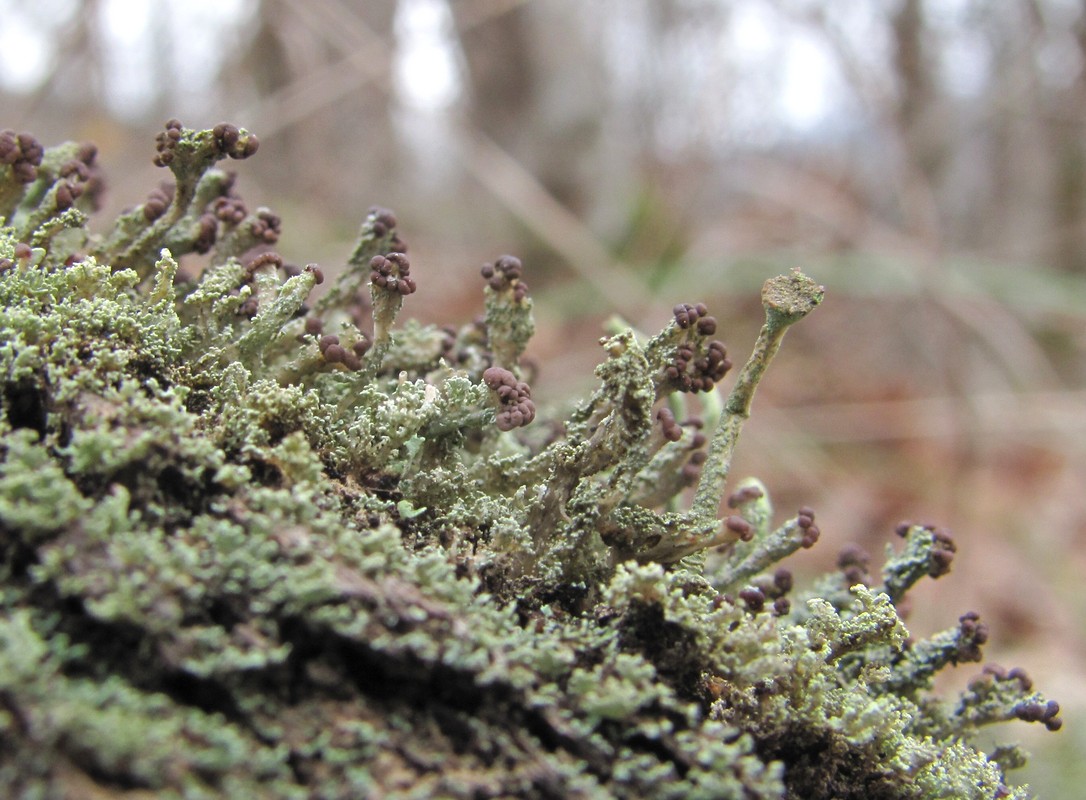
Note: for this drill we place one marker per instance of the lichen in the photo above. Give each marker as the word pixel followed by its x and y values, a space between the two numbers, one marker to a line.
pixel 256 544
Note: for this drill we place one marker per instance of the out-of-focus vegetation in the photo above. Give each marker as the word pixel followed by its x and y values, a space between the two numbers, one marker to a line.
pixel 926 161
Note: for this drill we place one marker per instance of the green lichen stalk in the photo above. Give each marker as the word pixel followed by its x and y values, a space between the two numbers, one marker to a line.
pixel 259 544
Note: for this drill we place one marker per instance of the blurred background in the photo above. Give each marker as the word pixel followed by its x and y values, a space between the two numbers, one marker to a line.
pixel 924 159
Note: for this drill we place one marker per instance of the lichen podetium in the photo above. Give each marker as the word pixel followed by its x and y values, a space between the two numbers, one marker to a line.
pixel 258 545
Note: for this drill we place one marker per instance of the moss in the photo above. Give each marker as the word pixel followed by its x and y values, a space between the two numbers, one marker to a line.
pixel 256 544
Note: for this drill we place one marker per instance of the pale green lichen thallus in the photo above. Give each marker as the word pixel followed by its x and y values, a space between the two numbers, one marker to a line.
pixel 262 537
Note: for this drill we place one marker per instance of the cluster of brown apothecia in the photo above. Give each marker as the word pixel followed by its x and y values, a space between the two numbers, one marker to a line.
pixel 392 272
pixel 1046 713
pixel 228 140
pixel 514 397
pixel 227 210
pixel 805 516
pixel 672 431
pixel 157 201
pixel 942 554
pixel 854 563
pixel 333 350
pixel 746 494
pixel 22 153
pixel 335 353
pixel 22 252
pixel 166 141
pixel 773 588
pixel 699 363
pixel 384 223
pixel 505 273
pixel 805 520
pixel 230 210
pixel 78 177
pixel 273 261
pixel 972 633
